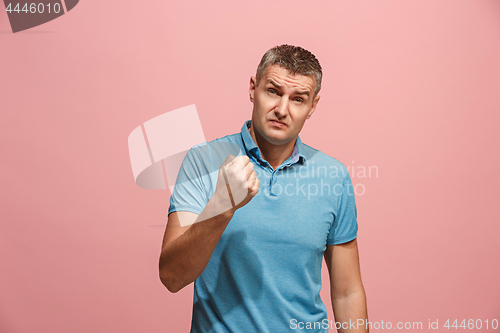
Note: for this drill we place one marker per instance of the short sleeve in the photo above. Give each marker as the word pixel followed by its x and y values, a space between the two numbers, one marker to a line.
pixel 345 225
pixel 190 193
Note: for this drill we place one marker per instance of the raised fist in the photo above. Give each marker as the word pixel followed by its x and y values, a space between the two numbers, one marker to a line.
pixel 237 183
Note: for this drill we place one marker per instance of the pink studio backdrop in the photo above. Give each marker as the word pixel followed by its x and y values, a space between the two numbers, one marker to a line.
pixel 411 88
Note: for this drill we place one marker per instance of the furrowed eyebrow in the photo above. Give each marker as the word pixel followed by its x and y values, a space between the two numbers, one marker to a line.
pixel 274 84
pixel 298 92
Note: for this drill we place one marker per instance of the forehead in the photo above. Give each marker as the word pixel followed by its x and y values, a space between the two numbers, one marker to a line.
pixel 283 77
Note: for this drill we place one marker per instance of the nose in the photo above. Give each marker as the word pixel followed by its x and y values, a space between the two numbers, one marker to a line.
pixel 281 110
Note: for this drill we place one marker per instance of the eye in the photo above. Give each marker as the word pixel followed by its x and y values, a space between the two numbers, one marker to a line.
pixel 272 91
pixel 299 100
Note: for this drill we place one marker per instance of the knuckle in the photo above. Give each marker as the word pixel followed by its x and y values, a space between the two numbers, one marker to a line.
pixel 241 178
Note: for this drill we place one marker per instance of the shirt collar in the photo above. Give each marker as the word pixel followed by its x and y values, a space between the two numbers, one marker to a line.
pixel 251 146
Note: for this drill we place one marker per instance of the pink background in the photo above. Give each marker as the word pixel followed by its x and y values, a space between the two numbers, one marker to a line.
pixel 412 87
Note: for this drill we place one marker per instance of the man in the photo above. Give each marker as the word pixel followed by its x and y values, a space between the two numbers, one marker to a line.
pixel 266 219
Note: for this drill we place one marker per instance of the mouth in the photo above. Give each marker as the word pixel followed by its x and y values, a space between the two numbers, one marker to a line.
pixel 277 123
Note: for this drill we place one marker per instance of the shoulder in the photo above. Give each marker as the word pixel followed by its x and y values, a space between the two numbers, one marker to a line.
pixel 214 153
pixel 326 167
pixel 231 138
pixel 318 158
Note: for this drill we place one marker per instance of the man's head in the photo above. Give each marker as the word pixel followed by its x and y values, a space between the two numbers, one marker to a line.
pixel 284 93
pixel 294 59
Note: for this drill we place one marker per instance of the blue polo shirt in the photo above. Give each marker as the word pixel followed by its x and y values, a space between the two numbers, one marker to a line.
pixel 265 272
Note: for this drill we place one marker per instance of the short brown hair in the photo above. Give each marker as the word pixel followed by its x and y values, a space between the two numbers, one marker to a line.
pixel 294 59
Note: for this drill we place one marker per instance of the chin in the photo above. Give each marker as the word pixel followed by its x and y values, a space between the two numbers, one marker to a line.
pixel 277 139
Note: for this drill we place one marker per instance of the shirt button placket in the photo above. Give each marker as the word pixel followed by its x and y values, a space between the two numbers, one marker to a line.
pixel 274 175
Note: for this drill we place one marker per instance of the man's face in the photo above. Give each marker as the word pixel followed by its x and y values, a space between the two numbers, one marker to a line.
pixel 282 102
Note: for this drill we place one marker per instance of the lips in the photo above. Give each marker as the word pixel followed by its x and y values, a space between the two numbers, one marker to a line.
pixel 277 123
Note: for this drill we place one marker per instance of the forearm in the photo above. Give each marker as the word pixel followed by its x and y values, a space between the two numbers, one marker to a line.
pixel 184 259
pixel 349 310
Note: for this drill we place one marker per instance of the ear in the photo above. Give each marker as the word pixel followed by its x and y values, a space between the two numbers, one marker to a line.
pixel 313 107
pixel 251 90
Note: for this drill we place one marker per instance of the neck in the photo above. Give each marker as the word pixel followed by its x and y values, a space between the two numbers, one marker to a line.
pixel 273 154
